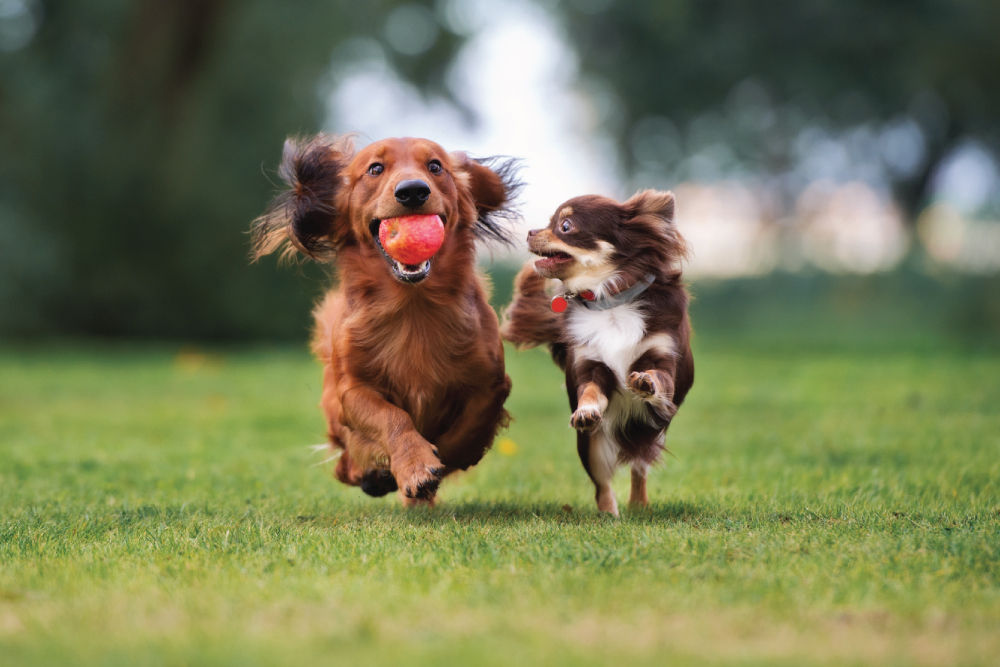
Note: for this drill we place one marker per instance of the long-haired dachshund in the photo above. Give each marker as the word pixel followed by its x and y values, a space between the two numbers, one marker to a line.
pixel 606 296
pixel 413 366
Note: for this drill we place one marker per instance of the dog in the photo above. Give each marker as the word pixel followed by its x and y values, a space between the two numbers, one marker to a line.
pixel 618 326
pixel 413 366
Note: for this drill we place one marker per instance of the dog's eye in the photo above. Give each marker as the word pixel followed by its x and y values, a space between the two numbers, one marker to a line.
pixel 566 225
pixel 434 166
pixel 375 168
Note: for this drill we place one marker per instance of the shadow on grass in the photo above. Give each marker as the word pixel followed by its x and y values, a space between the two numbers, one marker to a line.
pixel 358 512
pixel 477 510
pixel 506 512
pixel 711 516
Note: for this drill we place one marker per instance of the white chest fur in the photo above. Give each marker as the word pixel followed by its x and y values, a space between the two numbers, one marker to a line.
pixel 614 336
pixel 617 338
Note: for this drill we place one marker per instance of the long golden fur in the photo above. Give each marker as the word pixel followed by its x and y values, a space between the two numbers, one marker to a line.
pixel 413 366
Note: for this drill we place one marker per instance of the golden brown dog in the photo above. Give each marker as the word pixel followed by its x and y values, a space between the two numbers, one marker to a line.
pixel 413 366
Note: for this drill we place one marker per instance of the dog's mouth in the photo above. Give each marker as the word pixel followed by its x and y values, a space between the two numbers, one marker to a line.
pixel 551 260
pixel 401 271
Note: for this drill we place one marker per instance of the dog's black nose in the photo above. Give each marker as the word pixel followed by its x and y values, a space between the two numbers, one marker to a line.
pixel 412 193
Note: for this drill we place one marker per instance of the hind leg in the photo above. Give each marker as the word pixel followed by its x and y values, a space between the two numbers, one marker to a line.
pixel 600 458
pixel 362 469
pixel 638 497
pixel 375 482
pixel 471 433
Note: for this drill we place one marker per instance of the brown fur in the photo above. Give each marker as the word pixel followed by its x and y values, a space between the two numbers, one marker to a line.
pixel 413 373
pixel 595 243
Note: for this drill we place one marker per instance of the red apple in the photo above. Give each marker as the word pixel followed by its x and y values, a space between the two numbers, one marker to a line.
pixel 411 239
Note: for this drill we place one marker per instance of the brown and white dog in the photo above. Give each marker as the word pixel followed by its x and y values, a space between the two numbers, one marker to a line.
pixel 617 325
pixel 413 366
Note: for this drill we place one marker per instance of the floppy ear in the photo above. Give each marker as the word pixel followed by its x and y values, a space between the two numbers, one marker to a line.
pixel 493 185
pixel 655 210
pixel 303 217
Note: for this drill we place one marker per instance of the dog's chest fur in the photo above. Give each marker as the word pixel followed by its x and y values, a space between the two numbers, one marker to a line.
pixel 614 337
pixel 617 337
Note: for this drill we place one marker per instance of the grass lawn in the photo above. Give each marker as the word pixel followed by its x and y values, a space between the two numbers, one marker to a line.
pixel 823 505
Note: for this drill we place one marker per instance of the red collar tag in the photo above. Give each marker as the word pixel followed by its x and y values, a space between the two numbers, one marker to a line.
pixel 560 302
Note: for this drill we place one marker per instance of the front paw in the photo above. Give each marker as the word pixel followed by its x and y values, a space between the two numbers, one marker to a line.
pixel 642 384
pixel 586 418
pixel 418 473
pixel 378 482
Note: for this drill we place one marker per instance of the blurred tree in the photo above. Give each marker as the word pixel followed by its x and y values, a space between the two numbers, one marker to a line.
pixel 133 141
pixel 759 86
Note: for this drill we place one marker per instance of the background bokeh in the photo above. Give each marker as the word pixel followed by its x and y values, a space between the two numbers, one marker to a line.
pixel 835 162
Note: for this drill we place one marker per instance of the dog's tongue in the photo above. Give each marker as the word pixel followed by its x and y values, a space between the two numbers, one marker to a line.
pixel 411 239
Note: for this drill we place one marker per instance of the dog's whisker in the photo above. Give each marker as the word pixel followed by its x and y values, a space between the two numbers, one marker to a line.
pixel 328 459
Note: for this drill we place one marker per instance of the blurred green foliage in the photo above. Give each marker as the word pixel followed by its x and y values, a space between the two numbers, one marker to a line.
pixel 137 140
pixel 758 86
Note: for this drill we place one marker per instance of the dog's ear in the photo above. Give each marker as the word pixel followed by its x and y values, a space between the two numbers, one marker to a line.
pixel 493 185
pixel 303 217
pixel 659 203
pixel 654 209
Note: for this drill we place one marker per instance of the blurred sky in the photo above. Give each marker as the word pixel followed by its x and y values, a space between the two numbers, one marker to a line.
pixel 141 137
pixel 517 77
pixel 521 80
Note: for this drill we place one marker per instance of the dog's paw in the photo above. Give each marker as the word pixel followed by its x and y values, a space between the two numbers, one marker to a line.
pixel 426 490
pixel 378 482
pixel 586 418
pixel 642 384
pixel 420 474
pixel 423 484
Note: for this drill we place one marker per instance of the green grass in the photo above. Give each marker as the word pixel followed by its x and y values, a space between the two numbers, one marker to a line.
pixel 822 506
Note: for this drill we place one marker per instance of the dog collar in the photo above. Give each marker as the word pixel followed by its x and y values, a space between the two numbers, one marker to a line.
pixel 589 300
